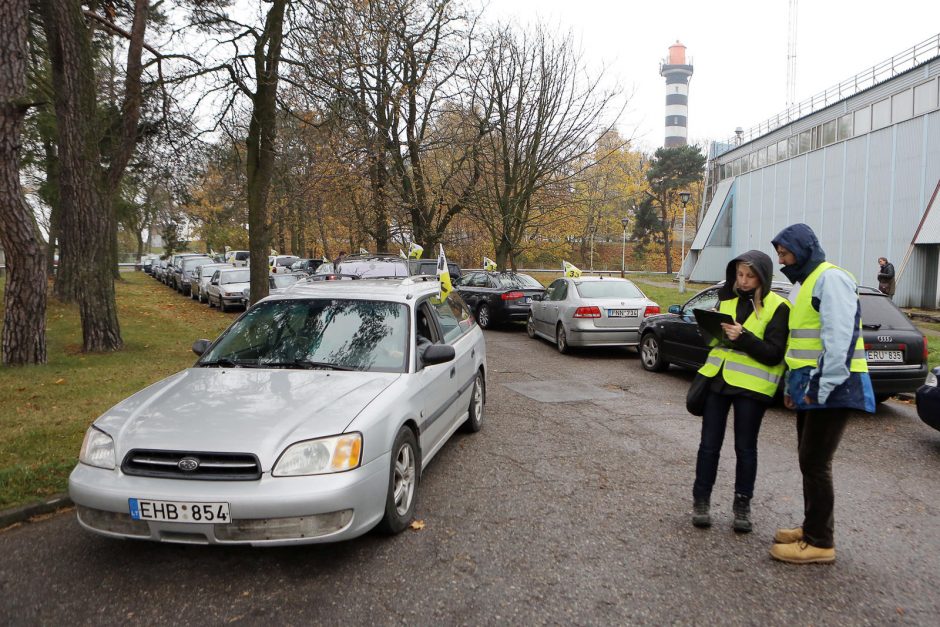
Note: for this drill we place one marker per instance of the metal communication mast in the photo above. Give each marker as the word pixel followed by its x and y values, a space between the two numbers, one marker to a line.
pixel 791 54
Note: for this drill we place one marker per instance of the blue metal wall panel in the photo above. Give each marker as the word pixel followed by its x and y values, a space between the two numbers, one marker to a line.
pixel 812 211
pixel 830 225
pixel 764 233
pixel 878 212
pixel 906 209
pixel 853 199
pixel 797 189
pixel 782 193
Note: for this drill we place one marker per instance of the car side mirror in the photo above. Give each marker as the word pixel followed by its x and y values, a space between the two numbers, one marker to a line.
pixel 201 346
pixel 537 297
pixel 675 309
pixel 438 354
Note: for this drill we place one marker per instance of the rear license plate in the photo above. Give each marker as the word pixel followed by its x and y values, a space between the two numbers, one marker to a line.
pixel 176 511
pixel 528 299
pixel 623 313
pixel 897 356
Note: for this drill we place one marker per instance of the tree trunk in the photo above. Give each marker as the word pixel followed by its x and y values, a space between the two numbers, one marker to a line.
pixel 24 302
pixel 262 131
pixel 85 265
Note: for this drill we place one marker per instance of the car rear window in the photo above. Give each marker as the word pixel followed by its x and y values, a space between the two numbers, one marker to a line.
pixel 880 310
pixel 517 281
pixel 373 268
pixel 608 289
pixel 240 276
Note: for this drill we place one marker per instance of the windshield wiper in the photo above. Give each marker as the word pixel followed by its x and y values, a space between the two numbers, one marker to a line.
pixel 306 364
pixel 221 363
pixel 873 327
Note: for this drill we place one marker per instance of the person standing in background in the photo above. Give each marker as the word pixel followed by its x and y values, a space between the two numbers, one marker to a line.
pixel 885 276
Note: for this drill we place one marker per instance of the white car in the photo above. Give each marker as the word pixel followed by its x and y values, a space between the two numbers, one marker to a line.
pixel 225 287
pixel 311 419
pixel 590 311
pixel 199 280
pixel 281 264
pixel 277 284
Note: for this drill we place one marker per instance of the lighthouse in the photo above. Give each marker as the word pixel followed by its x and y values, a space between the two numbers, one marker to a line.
pixel 677 72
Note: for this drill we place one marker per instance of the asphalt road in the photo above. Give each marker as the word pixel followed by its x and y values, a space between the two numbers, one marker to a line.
pixel 571 506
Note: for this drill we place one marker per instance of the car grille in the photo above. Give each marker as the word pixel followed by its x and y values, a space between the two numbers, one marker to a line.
pixel 209 466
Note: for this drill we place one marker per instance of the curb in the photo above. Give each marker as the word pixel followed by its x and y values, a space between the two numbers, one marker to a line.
pixel 24 513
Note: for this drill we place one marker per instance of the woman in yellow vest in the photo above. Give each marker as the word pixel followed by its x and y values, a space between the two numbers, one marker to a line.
pixel 746 367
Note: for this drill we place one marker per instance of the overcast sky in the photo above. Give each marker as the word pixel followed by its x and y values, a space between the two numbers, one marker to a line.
pixel 738 49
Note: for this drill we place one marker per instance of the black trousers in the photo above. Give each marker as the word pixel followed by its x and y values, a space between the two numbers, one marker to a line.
pixel 818 433
pixel 748 414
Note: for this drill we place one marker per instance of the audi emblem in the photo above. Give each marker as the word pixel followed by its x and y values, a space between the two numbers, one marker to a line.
pixel 885 338
pixel 188 464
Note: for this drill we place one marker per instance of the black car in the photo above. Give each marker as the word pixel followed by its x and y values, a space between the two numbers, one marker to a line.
pixel 928 400
pixel 896 349
pixel 496 297
pixel 429 266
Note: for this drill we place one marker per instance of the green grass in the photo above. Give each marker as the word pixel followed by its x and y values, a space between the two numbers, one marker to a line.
pixel 44 410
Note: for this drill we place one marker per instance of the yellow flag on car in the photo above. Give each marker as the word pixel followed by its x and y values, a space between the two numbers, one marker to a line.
pixel 363 251
pixel 402 254
pixel 443 275
pixel 415 251
pixel 488 264
pixel 571 270
pixel 325 260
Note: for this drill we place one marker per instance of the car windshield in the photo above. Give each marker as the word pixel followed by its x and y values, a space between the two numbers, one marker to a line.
pixel 283 280
pixel 608 289
pixel 330 334
pixel 373 268
pixel 517 281
pixel 237 276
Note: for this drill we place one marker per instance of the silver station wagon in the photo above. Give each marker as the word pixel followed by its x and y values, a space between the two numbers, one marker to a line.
pixel 310 419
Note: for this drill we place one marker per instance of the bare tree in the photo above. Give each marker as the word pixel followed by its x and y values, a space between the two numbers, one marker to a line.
pixel 24 311
pixel 548 113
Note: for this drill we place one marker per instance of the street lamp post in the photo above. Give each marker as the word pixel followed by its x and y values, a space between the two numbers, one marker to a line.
pixel 593 231
pixel 684 197
pixel 623 248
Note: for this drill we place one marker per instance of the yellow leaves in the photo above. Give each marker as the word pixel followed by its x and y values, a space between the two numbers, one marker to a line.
pixel 59 381
pixel 417 525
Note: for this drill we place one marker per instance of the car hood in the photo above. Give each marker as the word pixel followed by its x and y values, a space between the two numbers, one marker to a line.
pixel 241 410
pixel 234 287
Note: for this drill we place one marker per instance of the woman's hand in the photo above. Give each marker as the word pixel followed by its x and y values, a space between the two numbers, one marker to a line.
pixel 732 331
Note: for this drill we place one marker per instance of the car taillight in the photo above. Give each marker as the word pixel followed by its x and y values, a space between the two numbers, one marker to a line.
pixel 925 349
pixel 587 312
pixel 651 310
pixel 512 295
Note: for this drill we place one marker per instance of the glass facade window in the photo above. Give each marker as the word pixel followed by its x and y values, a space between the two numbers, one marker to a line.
pixel 752 161
pixel 781 150
pixel 925 97
pixel 862 121
pixel 902 106
pixel 793 145
pixel 845 126
pixel 806 141
pixel 761 157
pixel 771 154
pixel 829 133
pixel 737 167
pixel 881 114
pixel 721 233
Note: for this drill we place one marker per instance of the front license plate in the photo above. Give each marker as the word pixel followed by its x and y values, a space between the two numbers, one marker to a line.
pixel 177 511
pixel 623 313
pixel 897 356
pixel 528 299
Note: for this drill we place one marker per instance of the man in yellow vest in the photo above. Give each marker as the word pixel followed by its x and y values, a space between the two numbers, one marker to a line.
pixel 828 378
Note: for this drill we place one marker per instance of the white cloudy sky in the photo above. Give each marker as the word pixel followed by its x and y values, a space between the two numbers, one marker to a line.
pixel 738 48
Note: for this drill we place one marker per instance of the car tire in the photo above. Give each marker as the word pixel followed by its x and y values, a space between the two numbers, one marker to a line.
pixel 651 356
pixel 209 300
pixel 530 326
pixel 561 339
pixel 222 306
pixel 881 398
pixel 483 316
pixel 402 483
pixel 474 420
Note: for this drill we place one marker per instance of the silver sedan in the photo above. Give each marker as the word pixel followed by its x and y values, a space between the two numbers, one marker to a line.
pixel 311 419
pixel 590 311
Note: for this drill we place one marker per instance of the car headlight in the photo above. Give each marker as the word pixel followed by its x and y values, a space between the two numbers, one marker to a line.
pixel 97 449
pixel 324 455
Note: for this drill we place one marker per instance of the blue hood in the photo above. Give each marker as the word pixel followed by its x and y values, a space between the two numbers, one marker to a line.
pixel 800 240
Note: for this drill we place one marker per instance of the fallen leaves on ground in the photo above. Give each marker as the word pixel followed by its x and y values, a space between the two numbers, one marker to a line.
pixel 417 525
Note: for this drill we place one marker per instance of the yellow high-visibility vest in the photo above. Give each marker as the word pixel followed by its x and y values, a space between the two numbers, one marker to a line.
pixel 804 347
pixel 740 369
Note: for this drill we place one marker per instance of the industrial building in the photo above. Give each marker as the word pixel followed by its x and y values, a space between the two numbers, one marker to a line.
pixel 859 163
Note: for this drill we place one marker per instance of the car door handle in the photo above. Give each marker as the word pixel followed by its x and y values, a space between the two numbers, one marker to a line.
pixel 453 372
pixel 473 352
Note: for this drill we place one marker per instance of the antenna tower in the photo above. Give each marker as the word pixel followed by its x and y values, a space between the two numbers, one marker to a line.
pixel 791 54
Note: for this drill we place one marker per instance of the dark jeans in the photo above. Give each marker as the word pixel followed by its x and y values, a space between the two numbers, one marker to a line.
pixel 818 433
pixel 748 414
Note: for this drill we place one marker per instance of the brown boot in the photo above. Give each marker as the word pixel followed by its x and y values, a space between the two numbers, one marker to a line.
pixel 802 553
pixel 786 536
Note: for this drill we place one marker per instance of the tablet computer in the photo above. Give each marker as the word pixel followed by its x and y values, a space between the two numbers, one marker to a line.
pixel 710 322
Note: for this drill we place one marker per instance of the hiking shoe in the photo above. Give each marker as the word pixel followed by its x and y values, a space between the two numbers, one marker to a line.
pixel 802 553
pixel 701 517
pixel 742 513
pixel 788 536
